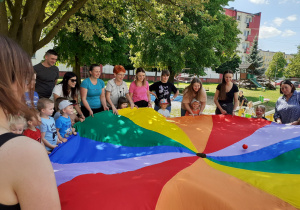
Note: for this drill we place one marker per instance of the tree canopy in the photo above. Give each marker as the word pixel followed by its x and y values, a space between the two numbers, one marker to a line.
pixel 232 64
pixel 293 68
pixel 276 66
pixel 210 40
pixel 33 24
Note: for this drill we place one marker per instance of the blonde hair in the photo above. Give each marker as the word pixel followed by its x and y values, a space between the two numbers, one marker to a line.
pixel 43 102
pixel 250 102
pixel 15 120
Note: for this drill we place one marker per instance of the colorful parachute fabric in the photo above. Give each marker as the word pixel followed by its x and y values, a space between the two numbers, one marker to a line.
pixel 140 160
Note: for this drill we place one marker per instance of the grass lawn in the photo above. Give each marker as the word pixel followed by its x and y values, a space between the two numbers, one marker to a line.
pixel 251 95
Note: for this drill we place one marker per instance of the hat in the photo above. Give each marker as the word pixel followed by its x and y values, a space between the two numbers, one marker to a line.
pixel 63 104
pixel 163 101
pixel 194 100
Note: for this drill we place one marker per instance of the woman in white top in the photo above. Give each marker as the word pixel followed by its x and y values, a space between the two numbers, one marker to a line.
pixel 27 179
pixel 68 88
pixel 115 88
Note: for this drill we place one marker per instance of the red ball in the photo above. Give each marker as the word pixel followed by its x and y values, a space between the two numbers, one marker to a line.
pixel 245 146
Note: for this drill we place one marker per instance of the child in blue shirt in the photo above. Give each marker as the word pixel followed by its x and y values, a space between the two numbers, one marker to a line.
pixel 47 128
pixel 63 123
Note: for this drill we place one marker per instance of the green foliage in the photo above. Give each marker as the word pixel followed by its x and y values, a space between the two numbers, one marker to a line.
pixel 209 37
pixel 276 66
pixel 293 69
pixel 255 59
pixel 232 64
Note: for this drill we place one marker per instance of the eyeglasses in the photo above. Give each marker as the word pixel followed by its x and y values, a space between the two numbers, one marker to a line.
pixel 121 75
pixel 73 80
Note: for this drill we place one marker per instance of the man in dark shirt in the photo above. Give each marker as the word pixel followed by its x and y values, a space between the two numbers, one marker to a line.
pixel 46 75
pixel 163 90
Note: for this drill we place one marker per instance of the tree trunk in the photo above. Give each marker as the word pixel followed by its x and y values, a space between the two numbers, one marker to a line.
pixel 172 74
pixel 76 69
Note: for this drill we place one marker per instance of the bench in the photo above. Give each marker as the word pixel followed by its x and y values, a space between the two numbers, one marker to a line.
pixel 256 103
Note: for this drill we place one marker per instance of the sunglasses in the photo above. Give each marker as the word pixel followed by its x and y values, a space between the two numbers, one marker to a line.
pixel 73 80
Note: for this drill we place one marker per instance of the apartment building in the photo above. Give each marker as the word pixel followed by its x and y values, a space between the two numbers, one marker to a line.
pixel 268 56
pixel 248 24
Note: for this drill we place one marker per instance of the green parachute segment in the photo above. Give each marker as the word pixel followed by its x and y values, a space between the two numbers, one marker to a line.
pixel 118 130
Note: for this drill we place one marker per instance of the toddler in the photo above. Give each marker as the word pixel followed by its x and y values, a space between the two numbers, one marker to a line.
pixel 63 123
pixel 123 102
pixel 33 120
pixel 57 114
pixel 260 112
pixel 17 124
pixel 47 127
pixel 163 108
pixel 249 109
pixel 195 107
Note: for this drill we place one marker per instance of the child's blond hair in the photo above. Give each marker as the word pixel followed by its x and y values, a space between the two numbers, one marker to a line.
pixel 42 103
pixel 16 119
pixel 250 103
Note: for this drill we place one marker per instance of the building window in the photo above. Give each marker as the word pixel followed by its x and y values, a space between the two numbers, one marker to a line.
pixel 238 17
pixel 246 33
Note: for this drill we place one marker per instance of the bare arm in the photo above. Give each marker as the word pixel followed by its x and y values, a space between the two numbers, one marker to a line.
pixel 60 137
pixel 83 93
pixel 46 143
pixel 202 107
pixel 107 95
pixel 176 94
pixel 103 99
pixel 77 108
pixel 153 94
pixel 130 101
pixel 236 102
pixel 35 189
pixel 55 96
pixel 130 95
pixel 149 99
pixel 216 97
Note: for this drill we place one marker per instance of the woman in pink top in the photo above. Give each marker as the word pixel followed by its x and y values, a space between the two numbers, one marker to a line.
pixel 139 89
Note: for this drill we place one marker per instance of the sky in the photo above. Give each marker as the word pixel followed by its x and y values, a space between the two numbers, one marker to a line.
pixel 279 24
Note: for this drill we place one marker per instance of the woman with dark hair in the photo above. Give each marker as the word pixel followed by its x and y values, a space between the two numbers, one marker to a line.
pixel 139 89
pixel 226 96
pixel 27 179
pixel 68 88
pixel 194 91
pixel 93 93
pixel 116 88
pixel 287 108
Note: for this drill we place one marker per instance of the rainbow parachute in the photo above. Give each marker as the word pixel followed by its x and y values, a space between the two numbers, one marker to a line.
pixel 140 160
